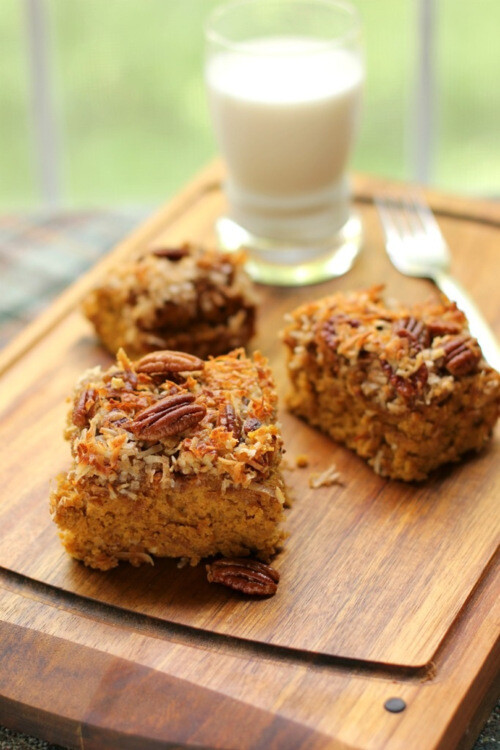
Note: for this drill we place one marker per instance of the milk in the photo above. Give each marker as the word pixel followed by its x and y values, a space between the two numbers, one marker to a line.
pixel 285 112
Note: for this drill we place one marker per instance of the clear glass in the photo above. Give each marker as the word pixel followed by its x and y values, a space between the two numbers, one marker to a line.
pixel 284 81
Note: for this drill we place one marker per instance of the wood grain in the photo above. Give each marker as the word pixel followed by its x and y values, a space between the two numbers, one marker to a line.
pixel 383 584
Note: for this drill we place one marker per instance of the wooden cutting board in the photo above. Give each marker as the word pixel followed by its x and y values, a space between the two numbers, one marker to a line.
pixel 388 589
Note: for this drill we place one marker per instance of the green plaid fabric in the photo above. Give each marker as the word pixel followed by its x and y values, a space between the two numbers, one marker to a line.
pixel 42 253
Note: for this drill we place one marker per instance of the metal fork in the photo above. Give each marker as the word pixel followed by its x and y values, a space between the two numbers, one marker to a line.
pixel 416 247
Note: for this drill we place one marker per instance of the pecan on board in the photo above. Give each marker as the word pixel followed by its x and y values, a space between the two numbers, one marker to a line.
pixel 243 574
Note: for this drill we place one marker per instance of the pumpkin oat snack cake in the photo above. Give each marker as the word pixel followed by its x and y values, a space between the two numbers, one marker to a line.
pixel 184 298
pixel 406 387
pixel 172 457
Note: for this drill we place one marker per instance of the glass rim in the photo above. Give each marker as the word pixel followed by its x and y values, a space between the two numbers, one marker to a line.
pixel 347 8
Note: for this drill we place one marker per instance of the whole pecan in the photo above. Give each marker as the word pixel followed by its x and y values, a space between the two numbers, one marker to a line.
pixel 229 420
pixel 170 416
pixel 84 407
pixel 415 330
pixel 461 355
pixel 166 362
pixel 172 253
pixel 245 575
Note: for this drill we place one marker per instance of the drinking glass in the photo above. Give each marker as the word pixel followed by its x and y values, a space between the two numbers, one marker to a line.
pixel 284 81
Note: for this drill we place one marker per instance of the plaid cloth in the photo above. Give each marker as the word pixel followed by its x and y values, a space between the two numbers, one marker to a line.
pixel 42 253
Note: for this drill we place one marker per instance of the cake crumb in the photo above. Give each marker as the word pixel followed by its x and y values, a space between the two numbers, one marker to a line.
pixel 326 478
pixel 302 461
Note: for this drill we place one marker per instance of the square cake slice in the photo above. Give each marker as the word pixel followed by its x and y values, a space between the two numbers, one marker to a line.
pixel 183 298
pixel 172 457
pixel 406 388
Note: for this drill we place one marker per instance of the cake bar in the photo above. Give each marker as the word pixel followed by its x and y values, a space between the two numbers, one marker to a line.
pixel 183 298
pixel 406 387
pixel 173 456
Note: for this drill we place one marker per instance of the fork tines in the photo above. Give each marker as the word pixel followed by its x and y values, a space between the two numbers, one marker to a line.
pixel 407 214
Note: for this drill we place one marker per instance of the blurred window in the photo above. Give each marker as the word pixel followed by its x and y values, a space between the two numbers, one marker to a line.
pixel 102 101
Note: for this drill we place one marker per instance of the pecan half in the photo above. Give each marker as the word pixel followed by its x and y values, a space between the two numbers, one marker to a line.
pixel 414 330
pixel 83 409
pixel 229 420
pixel 129 378
pixel 245 575
pixel 172 253
pixel 328 331
pixel 166 362
pixel 461 355
pixel 170 416
pixel 442 327
pixel 250 424
pixel 329 334
pixel 408 387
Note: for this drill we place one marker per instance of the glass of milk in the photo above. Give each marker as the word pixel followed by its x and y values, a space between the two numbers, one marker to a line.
pixel 284 81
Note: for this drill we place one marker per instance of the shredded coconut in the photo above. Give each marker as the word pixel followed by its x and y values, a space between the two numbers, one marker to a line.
pixel 326 478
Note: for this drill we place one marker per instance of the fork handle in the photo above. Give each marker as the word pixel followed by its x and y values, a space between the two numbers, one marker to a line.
pixel 477 324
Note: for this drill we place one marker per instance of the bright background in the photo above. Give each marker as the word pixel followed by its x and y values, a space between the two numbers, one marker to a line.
pixel 128 122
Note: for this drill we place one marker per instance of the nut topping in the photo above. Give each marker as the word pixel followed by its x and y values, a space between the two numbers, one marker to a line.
pixel 245 575
pixel 170 416
pixel 229 420
pixel 461 355
pixel 172 253
pixel 328 330
pixel 408 388
pixel 329 334
pixel 443 327
pixel 167 362
pixel 83 409
pixel 251 424
pixel 415 330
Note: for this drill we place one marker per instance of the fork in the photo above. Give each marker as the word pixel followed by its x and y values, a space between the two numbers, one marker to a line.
pixel 416 247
